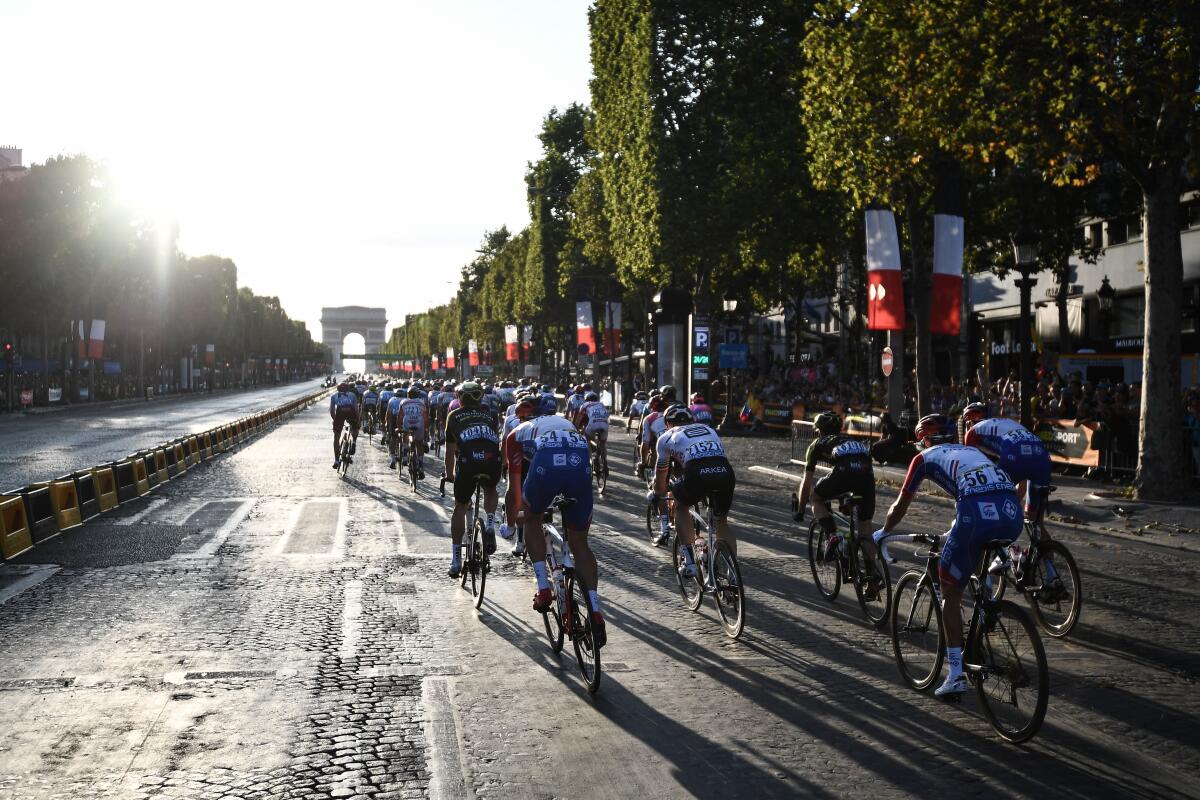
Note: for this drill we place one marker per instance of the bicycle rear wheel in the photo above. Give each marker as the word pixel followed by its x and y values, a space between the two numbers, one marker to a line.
pixel 554 627
pixel 1012 680
pixel 651 521
pixel 917 638
pixel 586 652
pixel 477 563
pixel 599 474
pixel 874 590
pixel 729 592
pixel 826 574
pixel 691 589
pixel 1058 597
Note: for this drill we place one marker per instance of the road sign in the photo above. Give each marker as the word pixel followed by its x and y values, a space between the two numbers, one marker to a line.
pixel 700 340
pixel 733 335
pixel 885 361
pixel 735 356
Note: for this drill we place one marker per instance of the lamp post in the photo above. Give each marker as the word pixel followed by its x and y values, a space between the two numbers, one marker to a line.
pixel 1025 252
pixel 729 306
pixel 1105 295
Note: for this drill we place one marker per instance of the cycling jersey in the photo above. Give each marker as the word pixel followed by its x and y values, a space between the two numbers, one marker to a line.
pixel 592 416
pixel 840 452
pixel 986 506
pixel 1020 453
pixel 412 411
pixel 385 397
pixel 341 400
pixel 687 443
pixel 573 404
pixel 637 408
pixel 360 388
pixel 477 449
pixel 652 427
pixel 558 464
pixel 370 398
pixel 702 413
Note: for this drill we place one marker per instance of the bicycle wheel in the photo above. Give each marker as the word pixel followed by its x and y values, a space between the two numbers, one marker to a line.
pixel 917 638
pixel 599 474
pixel 586 653
pixel 651 521
pixel 691 589
pixel 479 564
pixel 412 467
pixel 826 574
pixel 874 593
pixel 1013 681
pixel 729 592
pixel 554 627
pixel 1058 597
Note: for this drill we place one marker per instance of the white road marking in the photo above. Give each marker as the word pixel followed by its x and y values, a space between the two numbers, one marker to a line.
pixel 30 575
pixel 401 541
pixel 214 543
pixel 138 517
pixel 293 520
pixel 446 772
pixel 339 533
pixel 351 617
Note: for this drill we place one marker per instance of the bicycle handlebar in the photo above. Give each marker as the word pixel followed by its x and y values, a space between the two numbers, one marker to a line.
pixel 927 538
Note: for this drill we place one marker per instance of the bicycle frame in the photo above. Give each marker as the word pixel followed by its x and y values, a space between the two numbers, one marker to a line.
pixel 981 602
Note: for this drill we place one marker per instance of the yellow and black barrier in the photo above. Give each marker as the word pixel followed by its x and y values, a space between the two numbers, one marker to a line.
pixel 15 537
pixel 85 489
pixel 141 478
pixel 179 458
pixel 106 488
pixel 126 480
pixel 64 500
pixel 160 465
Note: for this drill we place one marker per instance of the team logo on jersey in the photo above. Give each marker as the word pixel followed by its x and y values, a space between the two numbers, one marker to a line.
pixel 541 470
pixel 1026 450
pixel 1010 509
pixel 988 511
pixel 575 460
pixel 560 460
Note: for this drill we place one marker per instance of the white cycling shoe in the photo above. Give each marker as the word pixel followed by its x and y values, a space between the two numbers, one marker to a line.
pixel 952 685
pixel 519 548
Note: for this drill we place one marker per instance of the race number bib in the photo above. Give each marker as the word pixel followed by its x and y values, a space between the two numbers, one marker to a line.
pixel 981 479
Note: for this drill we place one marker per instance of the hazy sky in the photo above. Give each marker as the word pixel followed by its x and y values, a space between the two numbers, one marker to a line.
pixel 319 145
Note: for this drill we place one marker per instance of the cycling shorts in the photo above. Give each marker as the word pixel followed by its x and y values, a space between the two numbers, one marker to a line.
pixel 345 414
pixel 465 473
pixel 595 427
pixel 546 480
pixel 1031 466
pixel 840 481
pixel 710 478
pixel 978 520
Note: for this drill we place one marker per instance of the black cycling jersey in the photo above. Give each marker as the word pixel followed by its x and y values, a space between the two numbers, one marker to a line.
pixel 473 431
pixel 840 451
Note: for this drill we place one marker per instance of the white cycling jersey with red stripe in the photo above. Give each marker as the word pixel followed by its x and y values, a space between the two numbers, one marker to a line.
pixel 960 470
pixel 688 443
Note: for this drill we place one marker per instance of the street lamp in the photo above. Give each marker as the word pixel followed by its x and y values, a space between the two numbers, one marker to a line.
pixel 1025 253
pixel 1105 295
pixel 729 306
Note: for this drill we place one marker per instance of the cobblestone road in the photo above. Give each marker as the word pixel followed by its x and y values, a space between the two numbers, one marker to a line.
pixel 274 631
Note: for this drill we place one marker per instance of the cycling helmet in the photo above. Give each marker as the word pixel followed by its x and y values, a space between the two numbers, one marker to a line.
pixel 657 403
pixel 344 386
pixel 677 415
pixel 547 405
pixel 591 397
pixel 527 406
pixel 587 387
pixel 668 393
pixel 641 395
pixel 487 388
pixel 935 429
pixel 414 391
pixel 697 399
pixel 828 422
pixel 974 412
pixel 470 393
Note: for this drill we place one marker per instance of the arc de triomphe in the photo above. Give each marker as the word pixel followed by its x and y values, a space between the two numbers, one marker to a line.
pixel 339 322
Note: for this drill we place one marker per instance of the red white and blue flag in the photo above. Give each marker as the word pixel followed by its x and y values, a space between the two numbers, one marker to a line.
pixel 885 287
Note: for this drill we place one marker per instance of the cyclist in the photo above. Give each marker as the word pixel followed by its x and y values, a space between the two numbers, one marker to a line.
pixel 707 473
pixel 986 508
pixel 574 401
pixel 523 409
pixel 636 408
pixel 370 401
pixel 410 421
pixel 472 452
pixel 850 459
pixel 1019 452
pixel 701 411
pixel 558 464
pixel 652 426
pixel 343 408
pixel 592 419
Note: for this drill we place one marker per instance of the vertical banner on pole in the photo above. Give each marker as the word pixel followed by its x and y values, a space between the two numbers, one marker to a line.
pixel 210 354
pixel 434 364
pixel 585 330
pixel 885 290
pixel 946 309
pixel 449 358
pixel 612 329
pixel 472 353
pixel 510 342
pixel 527 344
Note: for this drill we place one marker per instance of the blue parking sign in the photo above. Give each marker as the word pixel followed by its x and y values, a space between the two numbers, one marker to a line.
pixel 735 356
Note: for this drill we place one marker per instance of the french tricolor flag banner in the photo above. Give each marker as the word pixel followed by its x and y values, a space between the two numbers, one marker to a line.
pixel 434 363
pixel 510 342
pixel 527 343
pixel 449 358
pixel 95 343
pixel 885 287
pixel 585 330
pixel 945 313
pixel 472 353
pixel 612 329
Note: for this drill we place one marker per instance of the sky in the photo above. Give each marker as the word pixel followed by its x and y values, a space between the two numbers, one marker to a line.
pixel 347 153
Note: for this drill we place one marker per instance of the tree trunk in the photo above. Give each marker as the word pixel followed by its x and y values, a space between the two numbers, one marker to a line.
pixel 1162 472
pixel 919 303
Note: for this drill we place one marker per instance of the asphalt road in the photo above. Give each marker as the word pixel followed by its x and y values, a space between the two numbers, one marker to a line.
pixel 262 628
pixel 38 447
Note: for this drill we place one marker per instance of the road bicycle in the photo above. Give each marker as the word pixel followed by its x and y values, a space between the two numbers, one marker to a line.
pixel 840 558
pixel 345 445
pixel 570 612
pixel 1045 572
pixel 1003 655
pixel 599 467
pixel 717 573
pixel 476 564
pixel 369 422
pixel 439 438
